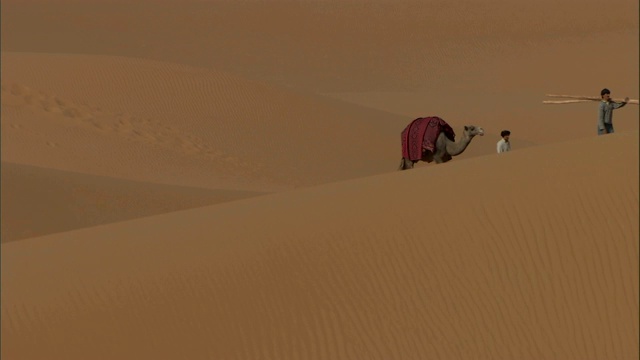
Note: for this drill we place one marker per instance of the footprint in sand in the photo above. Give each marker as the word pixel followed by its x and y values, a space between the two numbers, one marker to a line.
pixel 125 122
pixel 19 90
pixel 145 135
pixel 60 102
pixel 122 128
pixel 49 107
pixel 31 99
pixel 72 112
pixel 99 126
pixel 215 153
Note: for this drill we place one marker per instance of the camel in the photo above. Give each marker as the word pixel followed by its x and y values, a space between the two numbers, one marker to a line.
pixel 445 148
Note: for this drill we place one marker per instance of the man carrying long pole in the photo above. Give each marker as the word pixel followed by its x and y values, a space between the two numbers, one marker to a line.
pixel 605 112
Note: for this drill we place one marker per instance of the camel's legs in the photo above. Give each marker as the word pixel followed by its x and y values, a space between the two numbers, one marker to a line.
pixel 405 164
pixel 441 157
pixel 446 157
pixel 427 156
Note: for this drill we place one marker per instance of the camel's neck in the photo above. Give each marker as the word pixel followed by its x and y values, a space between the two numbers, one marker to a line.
pixel 456 148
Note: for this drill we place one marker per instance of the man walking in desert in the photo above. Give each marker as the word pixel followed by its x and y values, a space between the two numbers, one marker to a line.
pixel 605 112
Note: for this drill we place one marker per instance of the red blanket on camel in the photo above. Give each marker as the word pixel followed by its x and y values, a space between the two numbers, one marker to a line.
pixel 421 134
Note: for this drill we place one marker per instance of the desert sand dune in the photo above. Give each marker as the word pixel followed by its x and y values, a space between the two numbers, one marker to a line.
pixel 122 120
pixel 483 63
pixel 207 126
pixel 468 59
pixel 328 46
pixel 39 201
pixel 502 264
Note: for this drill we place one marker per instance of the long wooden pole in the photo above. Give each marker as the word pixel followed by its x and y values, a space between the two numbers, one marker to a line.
pixel 577 99
pixel 564 101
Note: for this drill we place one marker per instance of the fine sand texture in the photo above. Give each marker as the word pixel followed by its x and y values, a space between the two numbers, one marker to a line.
pixel 491 265
pixel 217 179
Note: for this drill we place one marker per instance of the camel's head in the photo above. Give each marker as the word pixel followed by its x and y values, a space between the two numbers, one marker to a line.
pixel 472 130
